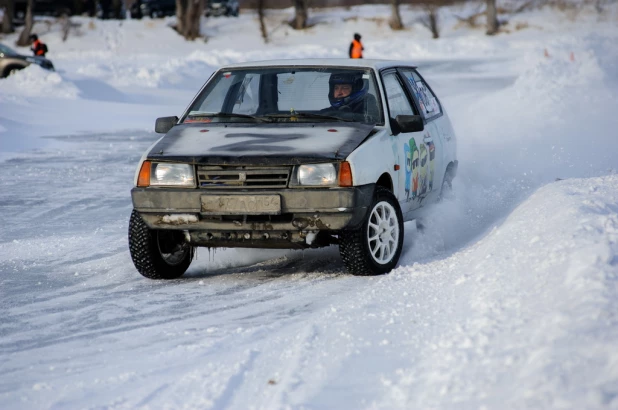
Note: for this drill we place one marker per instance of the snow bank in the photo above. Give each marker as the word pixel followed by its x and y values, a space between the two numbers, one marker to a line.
pixel 34 81
pixel 527 302
pixel 555 121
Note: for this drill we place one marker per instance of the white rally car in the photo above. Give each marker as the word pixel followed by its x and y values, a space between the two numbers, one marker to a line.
pixel 293 154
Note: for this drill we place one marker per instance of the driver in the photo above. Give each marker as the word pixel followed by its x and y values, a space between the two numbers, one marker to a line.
pixel 348 93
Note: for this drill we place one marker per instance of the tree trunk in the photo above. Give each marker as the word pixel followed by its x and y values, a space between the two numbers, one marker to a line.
pixel 78 6
pixel 7 19
pixel 260 7
pixel 65 22
pixel 193 17
pixel 181 6
pixel 24 37
pixel 117 9
pixel 492 17
pixel 300 19
pixel 433 22
pixel 396 23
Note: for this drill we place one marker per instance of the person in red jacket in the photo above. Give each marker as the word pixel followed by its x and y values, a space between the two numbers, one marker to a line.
pixel 38 47
pixel 356 47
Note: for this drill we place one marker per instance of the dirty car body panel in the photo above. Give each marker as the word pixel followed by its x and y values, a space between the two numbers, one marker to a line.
pixel 239 151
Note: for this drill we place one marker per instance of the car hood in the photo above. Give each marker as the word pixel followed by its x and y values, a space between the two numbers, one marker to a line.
pixel 260 144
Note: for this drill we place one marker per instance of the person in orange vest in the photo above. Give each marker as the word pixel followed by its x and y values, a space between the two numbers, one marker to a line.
pixel 356 47
pixel 38 47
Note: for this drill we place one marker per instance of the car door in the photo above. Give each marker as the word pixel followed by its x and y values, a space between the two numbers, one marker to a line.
pixel 408 144
pixel 432 164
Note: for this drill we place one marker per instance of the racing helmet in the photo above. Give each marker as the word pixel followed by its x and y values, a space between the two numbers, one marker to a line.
pixel 359 88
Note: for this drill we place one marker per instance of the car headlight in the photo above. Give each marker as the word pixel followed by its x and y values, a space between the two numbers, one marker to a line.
pixel 316 175
pixel 166 174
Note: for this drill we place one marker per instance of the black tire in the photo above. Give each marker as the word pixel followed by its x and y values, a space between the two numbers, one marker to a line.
pixel 355 246
pixel 158 254
pixel 10 70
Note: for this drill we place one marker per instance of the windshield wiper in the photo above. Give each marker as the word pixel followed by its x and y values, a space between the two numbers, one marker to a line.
pixel 308 115
pixel 228 115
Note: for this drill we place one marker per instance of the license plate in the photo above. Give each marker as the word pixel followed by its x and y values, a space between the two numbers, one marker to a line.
pixel 241 204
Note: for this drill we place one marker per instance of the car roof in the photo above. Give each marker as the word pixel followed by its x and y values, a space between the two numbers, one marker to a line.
pixel 326 62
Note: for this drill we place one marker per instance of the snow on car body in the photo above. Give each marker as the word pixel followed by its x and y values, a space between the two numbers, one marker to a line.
pixel 269 155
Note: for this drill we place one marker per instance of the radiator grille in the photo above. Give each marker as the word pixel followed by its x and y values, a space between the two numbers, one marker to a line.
pixel 223 177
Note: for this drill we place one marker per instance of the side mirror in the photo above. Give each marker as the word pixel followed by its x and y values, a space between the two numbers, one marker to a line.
pixel 409 123
pixel 164 124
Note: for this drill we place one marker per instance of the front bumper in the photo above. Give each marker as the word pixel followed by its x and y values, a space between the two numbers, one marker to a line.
pixel 305 213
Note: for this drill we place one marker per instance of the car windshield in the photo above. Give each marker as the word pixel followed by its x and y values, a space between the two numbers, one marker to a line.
pixel 288 94
pixel 5 50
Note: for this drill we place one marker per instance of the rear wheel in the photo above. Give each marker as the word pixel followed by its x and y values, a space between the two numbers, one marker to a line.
pixel 375 248
pixel 158 254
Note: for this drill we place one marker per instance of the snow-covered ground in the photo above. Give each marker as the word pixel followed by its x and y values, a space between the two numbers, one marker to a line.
pixel 509 298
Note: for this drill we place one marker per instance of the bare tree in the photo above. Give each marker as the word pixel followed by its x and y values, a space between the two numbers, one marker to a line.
pixel 260 7
pixel 188 17
pixel 432 19
pixel 300 18
pixel 24 36
pixel 65 23
pixel 181 6
pixel 117 9
pixel 492 18
pixel 395 22
pixel 8 7
pixel 195 10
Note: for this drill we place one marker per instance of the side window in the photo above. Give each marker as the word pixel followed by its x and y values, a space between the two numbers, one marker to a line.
pixel 398 103
pixel 427 101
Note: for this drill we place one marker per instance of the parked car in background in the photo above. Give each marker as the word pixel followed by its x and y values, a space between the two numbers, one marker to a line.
pixel 11 61
pixel 293 154
pixel 152 8
pixel 216 8
pixel 53 8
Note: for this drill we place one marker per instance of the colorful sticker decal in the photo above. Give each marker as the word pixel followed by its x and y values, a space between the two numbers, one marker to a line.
pixel 416 91
pixel 422 168
pixel 424 98
pixel 432 166
pixel 415 166
pixel 422 183
pixel 227 74
pixel 408 159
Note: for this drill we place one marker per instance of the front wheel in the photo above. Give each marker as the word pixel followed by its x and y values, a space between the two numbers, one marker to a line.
pixel 158 254
pixel 374 249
